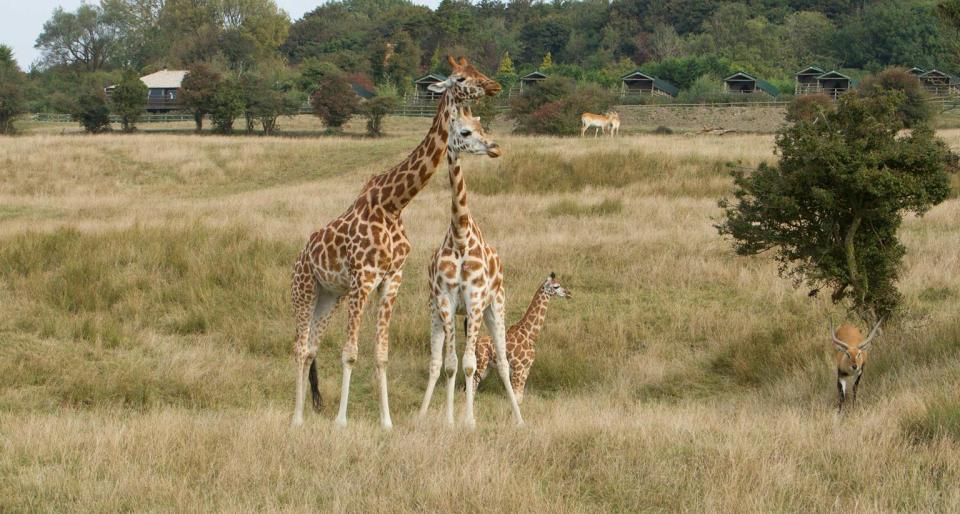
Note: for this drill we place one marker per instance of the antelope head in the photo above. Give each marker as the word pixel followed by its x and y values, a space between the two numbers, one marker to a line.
pixel 851 348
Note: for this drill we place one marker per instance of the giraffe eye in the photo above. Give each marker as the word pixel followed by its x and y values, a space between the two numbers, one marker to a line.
pixel 461 79
pixel 465 133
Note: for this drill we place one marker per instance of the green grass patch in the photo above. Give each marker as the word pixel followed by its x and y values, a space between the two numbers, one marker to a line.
pixel 567 207
pixel 940 418
pixel 554 172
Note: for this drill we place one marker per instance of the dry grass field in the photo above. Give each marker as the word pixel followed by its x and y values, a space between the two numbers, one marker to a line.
pixel 145 338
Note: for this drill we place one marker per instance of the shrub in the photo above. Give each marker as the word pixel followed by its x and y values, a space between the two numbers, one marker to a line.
pixel 375 110
pixel 199 87
pixel 663 130
pixel 334 101
pixel 830 209
pixel 808 108
pixel 706 89
pixel 226 105
pixel 128 100
pixel 554 106
pixel 912 109
pixel 92 112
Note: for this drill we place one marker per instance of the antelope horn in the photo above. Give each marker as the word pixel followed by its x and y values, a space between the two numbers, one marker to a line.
pixel 873 333
pixel 833 335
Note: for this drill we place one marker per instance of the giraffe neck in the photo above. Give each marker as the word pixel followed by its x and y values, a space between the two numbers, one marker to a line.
pixel 405 180
pixel 536 314
pixel 460 212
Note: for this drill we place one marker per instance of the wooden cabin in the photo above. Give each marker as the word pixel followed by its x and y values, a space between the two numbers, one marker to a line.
pixel 163 88
pixel 807 80
pixel 916 71
pixel 423 84
pixel 742 83
pixel 938 83
pixel 834 83
pixel 639 83
pixel 531 78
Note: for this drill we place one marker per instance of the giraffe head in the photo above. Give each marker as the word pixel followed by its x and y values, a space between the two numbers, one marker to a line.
pixel 467 136
pixel 552 287
pixel 466 82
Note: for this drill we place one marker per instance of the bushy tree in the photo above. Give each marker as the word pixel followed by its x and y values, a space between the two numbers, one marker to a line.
pixel 913 108
pixel 554 106
pixel 12 101
pixel 227 104
pixel 83 39
pixel 810 108
pixel 198 90
pixel 128 100
pixel 375 109
pixel 830 209
pixel 92 112
pixel 334 101
pixel 266 97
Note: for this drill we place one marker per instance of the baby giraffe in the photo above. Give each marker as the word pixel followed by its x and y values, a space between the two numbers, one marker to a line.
pixel 465 276
pixel 520 339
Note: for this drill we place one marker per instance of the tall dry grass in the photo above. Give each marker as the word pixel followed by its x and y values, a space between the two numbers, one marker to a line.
pixel 145 336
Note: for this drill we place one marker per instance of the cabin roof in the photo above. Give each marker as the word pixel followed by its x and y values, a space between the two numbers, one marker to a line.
pixel 811 70
pixel 430 78
pixel 662 85
pixel 938 74
pixel 917 71
pixel 833 74
pixel 534 75
pixel 164 79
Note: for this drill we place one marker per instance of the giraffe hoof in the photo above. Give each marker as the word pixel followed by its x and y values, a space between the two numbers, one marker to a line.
pixel 296 422
pixel 341 422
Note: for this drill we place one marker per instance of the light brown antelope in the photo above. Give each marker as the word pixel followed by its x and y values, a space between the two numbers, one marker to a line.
pixel 614 126
pixel 598 121
pixel 850 356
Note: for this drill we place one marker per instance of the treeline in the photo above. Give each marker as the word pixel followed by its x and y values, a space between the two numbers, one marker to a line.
pixel 385 44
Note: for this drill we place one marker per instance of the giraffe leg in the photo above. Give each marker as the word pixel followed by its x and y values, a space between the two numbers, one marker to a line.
pixel 304 298
pixel 483 362
pixel 495 325
pixel 324 307
pixel 450 362
pixel 388 296
pixel 437 334
pixel 357 299
pixel 474 315
pixel 518 379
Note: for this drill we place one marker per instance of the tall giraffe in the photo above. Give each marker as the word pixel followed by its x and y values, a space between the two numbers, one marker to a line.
pixel 466 275
pixel 521 337
pixel 364 249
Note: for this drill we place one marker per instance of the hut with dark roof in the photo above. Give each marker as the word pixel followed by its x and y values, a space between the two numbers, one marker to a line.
pixel 807 80
pixel 639 83
pixel 743 83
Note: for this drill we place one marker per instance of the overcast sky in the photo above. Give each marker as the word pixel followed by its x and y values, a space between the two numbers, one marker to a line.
pixel 22 20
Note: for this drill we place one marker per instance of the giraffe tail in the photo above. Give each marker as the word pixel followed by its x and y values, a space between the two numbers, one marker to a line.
pixel 314 387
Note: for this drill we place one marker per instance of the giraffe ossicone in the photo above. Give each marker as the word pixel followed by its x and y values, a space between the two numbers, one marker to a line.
pixel 364 249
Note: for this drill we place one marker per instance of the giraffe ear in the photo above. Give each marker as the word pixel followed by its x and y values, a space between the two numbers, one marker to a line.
pixel 440 87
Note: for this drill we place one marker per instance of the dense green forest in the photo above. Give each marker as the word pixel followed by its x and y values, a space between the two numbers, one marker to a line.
pixel 387 43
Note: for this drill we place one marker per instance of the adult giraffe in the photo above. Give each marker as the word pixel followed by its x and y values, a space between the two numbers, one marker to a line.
pixel 364 249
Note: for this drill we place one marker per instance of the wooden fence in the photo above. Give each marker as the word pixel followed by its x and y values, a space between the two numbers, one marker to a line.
pixel 49 117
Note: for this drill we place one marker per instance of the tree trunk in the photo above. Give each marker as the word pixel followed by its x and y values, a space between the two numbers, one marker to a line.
pixel 856 281
pixel 198 119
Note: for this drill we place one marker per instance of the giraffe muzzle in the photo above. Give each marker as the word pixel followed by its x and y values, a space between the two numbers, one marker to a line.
pixel 494 151
pixel 492 88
